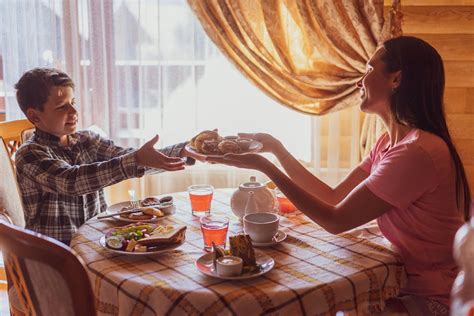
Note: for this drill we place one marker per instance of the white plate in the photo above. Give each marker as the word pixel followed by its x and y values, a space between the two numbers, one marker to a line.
pixel 254 147
pixel 278 238
pixel 115 208
pixel 205 264
pixel 152 252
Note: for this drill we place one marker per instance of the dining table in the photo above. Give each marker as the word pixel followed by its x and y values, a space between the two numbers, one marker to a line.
pixel 315 272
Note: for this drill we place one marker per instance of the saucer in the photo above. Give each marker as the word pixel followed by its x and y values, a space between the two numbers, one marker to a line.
pixel 278 238
pixel 205 264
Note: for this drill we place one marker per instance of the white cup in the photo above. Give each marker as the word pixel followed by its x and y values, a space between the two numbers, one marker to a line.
pixel 229 266
pixel 261 227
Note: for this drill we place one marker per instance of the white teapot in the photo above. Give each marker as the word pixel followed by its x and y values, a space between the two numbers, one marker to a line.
pixel 261 200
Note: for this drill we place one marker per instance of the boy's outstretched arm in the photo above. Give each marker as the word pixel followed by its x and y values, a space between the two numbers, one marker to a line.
pixel 53 174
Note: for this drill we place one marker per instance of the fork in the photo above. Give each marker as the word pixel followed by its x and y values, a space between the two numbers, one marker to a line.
pixel 134 203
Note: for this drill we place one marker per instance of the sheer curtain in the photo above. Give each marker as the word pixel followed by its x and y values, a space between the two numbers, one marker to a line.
pixel 147 67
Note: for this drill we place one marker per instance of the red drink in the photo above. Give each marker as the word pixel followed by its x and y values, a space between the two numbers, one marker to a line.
pixel 201 197
pixel 284 205
pixel 214 229
pixel 200 201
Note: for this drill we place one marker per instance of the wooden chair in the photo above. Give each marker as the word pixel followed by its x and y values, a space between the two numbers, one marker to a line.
pixel 14 132
pixel 10 198
pixel 47 277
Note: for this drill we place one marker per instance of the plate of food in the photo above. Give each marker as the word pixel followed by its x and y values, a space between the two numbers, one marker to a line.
pixel 210 143
pixel 151 209
pixel 240 263
pixel 143 239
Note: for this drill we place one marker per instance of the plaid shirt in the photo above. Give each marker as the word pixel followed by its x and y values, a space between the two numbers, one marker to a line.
pixel 62 186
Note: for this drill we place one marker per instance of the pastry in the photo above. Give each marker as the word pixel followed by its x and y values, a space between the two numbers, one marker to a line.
pixel 241 246
pixel 139 216
pixel 198 140
pixel 152 211
pixel 150 201
pixel 229 146
pixel 210 147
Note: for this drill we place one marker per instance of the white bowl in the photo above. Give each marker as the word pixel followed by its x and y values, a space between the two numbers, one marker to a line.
pixel 229 266
pixel 261 227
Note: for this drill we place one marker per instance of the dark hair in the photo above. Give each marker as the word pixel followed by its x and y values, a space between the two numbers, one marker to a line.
pixel 418 100
pixel 33 88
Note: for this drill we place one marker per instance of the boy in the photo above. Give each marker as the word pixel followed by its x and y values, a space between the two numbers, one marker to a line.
pixel 61 172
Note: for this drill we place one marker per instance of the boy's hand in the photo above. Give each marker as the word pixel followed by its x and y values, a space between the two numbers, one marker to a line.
pixel 193 154
pixel 148 156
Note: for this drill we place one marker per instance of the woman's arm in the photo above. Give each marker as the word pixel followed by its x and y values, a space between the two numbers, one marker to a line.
pixel 299 174
pixel 358 207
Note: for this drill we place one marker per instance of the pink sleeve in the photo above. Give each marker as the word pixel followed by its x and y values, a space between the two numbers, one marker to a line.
pixel 366 164
pixel 403 175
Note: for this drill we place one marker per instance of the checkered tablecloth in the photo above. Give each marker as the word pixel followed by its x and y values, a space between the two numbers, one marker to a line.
pixel 315 273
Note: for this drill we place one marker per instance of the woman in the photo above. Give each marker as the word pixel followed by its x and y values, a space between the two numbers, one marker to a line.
pixel 413 181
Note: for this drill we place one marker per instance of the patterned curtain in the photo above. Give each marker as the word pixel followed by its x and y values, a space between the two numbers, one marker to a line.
pixel 306 54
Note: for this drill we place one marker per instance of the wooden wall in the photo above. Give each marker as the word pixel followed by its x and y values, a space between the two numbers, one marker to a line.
pixel 448 25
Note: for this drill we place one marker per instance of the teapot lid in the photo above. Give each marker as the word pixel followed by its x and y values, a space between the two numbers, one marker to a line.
pixel 251 186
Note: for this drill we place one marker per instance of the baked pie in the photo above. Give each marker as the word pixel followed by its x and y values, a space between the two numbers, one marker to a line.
pixel 241 246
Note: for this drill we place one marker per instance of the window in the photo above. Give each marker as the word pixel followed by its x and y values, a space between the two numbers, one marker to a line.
pixel 147 67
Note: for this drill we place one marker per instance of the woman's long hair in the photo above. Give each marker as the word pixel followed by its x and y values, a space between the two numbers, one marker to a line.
pixel 418 100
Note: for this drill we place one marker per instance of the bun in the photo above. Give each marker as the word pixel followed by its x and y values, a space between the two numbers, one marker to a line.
pixel 211 143
pixel 207 135
pixel 152 211
pixel 229 146
pixel 210 147
pixel 197 141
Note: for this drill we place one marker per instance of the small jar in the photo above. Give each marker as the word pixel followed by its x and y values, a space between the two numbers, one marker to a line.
pixel 167 205
pixel 229 266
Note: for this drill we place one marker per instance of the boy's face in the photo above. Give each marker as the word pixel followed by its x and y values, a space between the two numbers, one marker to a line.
pixel 59 115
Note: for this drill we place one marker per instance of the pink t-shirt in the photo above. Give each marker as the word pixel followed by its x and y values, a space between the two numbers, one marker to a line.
pixel 417 177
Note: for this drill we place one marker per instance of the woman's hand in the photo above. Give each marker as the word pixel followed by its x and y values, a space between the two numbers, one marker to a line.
pixel 148 156
pixel 270 143
pixel 247 161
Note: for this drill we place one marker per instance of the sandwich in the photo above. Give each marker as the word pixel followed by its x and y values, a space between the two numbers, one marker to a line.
pixel 163 236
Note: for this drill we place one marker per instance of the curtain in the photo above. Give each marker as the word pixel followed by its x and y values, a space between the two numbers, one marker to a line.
pixel 147 67
pixel 307 55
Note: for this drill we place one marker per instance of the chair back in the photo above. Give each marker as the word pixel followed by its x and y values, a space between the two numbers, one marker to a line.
pixel 46 274
pixel 10 198
pixel 12 133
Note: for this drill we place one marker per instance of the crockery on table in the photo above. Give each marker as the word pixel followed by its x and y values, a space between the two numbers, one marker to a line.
pixel 278 238
pixel 150 209
pixel 254 263
pixel 143 238
pixel 261 227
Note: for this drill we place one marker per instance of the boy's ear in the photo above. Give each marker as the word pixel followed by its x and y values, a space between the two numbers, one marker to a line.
pixel 32 115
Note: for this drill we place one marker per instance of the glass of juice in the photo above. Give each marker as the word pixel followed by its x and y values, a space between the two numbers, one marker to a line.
pixel 214 230
pixel 201 197
pixel 284 205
